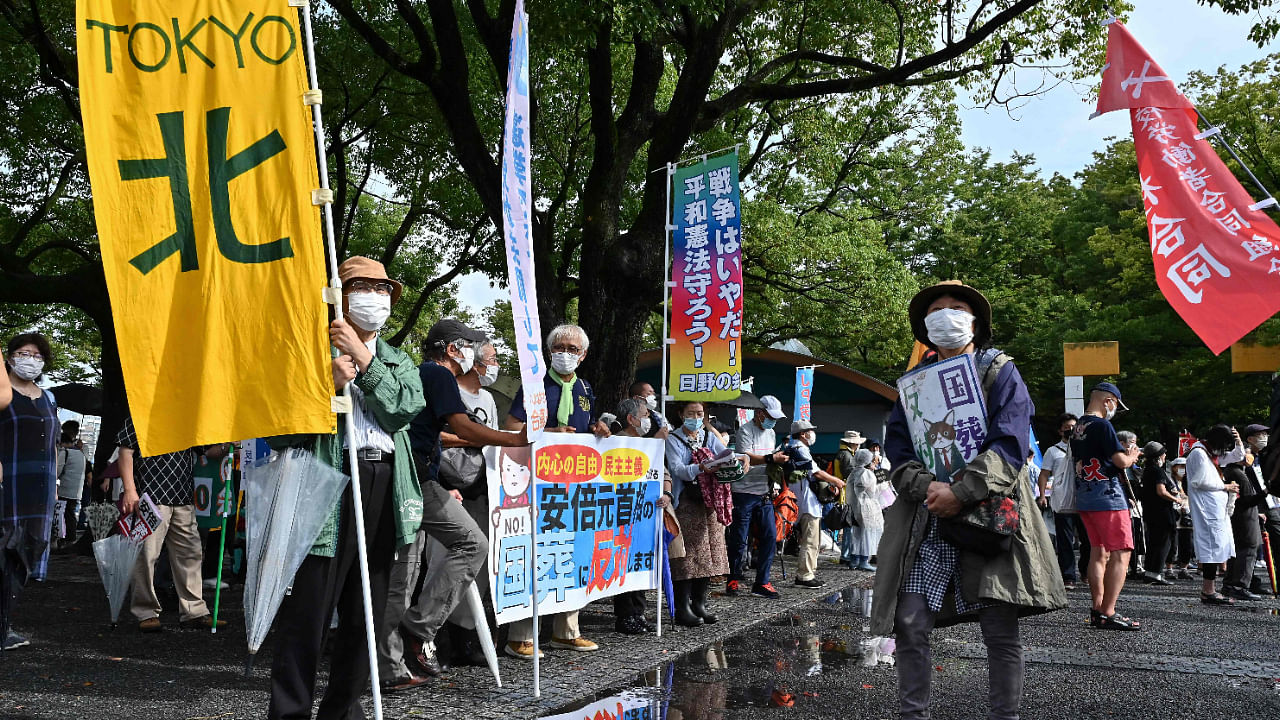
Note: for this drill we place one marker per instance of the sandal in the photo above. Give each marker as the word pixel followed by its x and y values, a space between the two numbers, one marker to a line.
pixel 1117 622
pixel 1095 618
pixel 1216 599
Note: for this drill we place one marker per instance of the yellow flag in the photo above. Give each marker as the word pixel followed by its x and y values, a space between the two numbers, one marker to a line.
pixel 202 161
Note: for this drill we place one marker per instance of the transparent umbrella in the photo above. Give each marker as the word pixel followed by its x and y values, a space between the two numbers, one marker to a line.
pixel 287 501
pixel 116 555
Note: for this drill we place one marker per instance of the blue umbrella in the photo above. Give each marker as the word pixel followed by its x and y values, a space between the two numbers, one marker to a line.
pixel 667 588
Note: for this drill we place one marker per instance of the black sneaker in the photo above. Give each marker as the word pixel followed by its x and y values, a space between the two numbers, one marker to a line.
pixel 1238 593
pixel 812 583
pixel 765 591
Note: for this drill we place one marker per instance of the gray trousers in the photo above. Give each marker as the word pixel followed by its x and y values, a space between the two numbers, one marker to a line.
pixel 1005 672
pixel 446 520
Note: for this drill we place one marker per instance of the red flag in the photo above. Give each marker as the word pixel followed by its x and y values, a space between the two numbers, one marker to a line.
pixel 1216 256
pixel 1131 79
pixel 1185 441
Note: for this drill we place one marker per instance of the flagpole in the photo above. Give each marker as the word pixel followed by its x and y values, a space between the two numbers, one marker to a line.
pixel 533 575
pixel 666 294
pixel 324 198
pixel 1213 130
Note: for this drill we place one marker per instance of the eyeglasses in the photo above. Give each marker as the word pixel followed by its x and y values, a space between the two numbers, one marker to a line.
pixel 27 355
pixel 363 286
pixel 567 348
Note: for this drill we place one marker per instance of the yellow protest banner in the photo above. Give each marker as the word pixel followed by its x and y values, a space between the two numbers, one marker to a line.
pixel 202 161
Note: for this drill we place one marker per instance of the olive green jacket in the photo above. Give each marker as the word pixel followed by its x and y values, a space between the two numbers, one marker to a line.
pixel 393 392
pixel 1027 576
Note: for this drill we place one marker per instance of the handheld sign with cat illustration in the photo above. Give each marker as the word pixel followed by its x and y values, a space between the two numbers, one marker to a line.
pixel 946 413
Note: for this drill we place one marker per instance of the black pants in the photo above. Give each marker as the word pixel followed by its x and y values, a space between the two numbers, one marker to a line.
pixel 628 604
pixel 1159 541
pixel 1186 545
pixel 1240 567
pixel 1064 539
pixel 1273 536
pixel 322 584
pixel 1082 536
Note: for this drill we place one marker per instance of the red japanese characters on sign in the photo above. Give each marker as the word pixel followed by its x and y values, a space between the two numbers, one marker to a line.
pixel 1214 251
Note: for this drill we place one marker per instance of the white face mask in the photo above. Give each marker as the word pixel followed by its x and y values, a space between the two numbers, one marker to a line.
pixel 564 362
pixel 651 401
pixel 809 438
pixel 949 329
pixel 369 311
pixel 1260 442
pixel 468 359
pixel 27 368
pixel 490 375
pixel 645 426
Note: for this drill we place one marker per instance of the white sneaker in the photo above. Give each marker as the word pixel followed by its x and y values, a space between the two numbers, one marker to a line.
pixel 212 583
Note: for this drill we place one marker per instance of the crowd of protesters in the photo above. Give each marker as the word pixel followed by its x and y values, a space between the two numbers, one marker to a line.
pixel 1103 508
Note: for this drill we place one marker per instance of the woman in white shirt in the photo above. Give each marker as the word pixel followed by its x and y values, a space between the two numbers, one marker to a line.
pixel 1209 496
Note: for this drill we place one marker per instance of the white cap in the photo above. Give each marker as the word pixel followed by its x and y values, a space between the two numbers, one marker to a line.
pixel 772 406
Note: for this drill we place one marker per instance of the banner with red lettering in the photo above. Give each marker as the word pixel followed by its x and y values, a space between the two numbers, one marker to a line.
pixel 1215 253
pixel 589 506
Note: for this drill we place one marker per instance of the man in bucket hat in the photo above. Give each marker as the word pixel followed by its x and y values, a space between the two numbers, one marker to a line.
pixel 923 580
pixel 809 526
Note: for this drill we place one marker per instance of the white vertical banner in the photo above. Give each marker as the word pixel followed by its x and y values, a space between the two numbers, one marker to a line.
pixel 517 230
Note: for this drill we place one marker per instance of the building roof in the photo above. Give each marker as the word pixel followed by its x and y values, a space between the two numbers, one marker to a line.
pixel 758 364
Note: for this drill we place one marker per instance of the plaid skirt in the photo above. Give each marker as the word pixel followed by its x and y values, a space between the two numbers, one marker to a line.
pixel 704 548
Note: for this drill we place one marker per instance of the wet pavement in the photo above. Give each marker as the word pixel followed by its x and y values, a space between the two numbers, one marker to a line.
pixel 808 655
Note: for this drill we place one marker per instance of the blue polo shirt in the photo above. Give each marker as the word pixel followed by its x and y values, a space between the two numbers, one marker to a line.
pixel 584 404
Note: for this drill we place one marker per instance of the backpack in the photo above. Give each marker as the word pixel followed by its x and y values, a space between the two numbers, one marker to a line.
pixel 786 512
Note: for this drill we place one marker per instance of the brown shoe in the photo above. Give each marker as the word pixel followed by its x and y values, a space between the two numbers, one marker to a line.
pixel 150 625
pixel 204 622
pixel 578 644
pixel 521 650
pixel 408 683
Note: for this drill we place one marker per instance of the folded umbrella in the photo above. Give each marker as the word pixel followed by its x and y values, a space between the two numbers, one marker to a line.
pixel 287 502
pixel 116 556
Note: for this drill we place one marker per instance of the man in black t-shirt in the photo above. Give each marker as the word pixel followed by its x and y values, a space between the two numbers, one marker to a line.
pixel 450 349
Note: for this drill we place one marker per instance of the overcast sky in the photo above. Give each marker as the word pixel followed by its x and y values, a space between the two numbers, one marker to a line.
pixel 1055 127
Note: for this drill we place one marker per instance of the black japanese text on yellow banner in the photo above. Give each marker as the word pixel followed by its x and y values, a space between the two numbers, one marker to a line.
pixel 202 162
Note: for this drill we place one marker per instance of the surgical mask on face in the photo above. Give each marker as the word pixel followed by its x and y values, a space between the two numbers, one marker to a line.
pixel 809 438
pixel 490 375
pixel 651 401
pixel 1112 412
pixel 1260 442
pixel 949 329
pixel 693 424
pixel 768 423
pixel 645 426
pixel 27 368
pixel 467 361
pixel 369 311
pixel 564 362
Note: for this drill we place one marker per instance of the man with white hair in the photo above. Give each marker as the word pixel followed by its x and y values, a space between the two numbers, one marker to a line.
pixel 571 408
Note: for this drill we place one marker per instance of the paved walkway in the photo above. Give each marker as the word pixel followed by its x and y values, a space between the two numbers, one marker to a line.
pixel 77 666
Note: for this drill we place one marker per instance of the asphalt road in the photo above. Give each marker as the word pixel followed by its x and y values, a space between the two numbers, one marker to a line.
pixel 809 650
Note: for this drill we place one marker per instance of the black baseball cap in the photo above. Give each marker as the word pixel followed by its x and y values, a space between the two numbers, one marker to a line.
pixel 447 330
pixel 1109 387
pixel 1255 429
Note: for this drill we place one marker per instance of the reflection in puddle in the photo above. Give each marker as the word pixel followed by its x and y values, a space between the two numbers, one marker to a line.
pixel 762 667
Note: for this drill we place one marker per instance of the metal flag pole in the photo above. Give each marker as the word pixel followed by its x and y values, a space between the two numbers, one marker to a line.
pixel 533 577
pixel 1213 130
pixel 667 285
pixel 324 198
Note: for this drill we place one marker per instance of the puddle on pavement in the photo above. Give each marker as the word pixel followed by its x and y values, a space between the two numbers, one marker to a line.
pixel 749 669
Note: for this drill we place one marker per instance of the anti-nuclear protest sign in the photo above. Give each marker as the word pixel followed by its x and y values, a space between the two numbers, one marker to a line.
pixel 946 414
pixel 214 488
pixel 590 507
pixel 706 297
pixel 627 706
pixel 802 405
pixel 202 163
pixel 517 187
pixel 1216 254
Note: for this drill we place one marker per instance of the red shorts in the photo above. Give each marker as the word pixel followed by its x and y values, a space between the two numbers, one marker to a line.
pixel 1108 529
